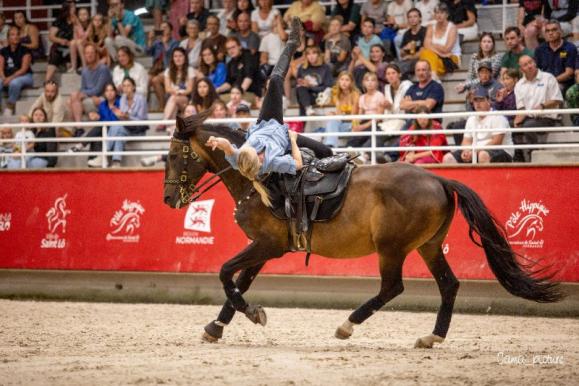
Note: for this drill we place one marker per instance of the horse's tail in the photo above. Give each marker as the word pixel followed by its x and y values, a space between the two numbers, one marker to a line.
pixel 520 279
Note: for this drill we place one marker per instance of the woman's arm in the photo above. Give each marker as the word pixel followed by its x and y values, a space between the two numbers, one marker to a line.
pixel 34 37
pixel 296 154
pixel 468 22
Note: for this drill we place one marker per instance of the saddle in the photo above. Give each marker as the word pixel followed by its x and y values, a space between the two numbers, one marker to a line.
pixel 315 194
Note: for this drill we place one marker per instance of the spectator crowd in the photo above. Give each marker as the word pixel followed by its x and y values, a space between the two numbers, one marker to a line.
pixel 372 57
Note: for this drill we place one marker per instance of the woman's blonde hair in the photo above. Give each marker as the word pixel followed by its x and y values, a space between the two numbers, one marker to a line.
pixel 318 51
pixel 249 165
pixel 337 93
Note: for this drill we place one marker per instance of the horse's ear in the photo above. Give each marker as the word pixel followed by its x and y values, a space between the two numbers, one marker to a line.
pixel 189 125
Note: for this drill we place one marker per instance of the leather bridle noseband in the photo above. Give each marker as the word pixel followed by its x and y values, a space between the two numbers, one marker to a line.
pixel 187 190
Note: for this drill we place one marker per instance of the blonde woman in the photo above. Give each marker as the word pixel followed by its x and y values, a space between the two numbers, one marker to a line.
pixel 345 96
pixel 270 147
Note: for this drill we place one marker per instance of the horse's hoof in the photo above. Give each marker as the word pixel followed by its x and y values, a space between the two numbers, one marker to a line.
pixel 214 331
pixel 342 333
pixel 208 338
pixel 428 341
pixel 256 314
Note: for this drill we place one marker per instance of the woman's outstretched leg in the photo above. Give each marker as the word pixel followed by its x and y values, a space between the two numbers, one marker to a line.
pixel 272 107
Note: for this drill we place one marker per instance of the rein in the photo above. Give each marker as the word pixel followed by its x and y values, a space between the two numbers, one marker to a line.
pixel 190 192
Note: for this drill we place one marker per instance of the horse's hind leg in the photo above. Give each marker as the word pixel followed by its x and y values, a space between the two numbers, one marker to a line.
pixel 448 287
pixel 391 286
pixel 214 330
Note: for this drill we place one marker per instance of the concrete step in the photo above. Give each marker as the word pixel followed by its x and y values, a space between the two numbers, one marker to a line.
pixel 563 137
pixel 555 156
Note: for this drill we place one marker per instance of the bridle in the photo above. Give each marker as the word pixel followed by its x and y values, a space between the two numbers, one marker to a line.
pixel 187 190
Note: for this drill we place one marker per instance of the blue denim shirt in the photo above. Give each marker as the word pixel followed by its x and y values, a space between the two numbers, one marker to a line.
pixel 272 138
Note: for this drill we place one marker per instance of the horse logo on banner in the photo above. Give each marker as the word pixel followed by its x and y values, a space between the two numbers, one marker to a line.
pixel 56 218
pixel 525 224
pixel 5 222
pixel 126 221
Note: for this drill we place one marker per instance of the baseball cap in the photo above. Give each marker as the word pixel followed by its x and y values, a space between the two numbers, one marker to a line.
pixel 481 92
pixel 485 64
pixel 242 108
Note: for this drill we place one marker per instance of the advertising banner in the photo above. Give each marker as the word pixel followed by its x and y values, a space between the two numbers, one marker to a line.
pixel 116 220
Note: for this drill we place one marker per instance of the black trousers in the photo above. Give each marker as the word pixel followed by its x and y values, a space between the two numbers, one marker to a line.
pixel 272 108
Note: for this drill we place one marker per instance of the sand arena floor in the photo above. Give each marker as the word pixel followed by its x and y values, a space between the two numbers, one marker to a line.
pixel 108 344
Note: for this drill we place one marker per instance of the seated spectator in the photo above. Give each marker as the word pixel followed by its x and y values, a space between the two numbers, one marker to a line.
pixel 97 34
pixel 462 13
pixel 420 157
pixel 61 33
pixel 226 19
pixel 536 90
pixel 23 136
pixel 394 92
pixel 375 10
pixel 566 13
pixel 126 28
pixel 359 65
pixel 426 92
pixel 204 95
pixel 310 12
pixel 345 97
pixel 371 102
pixel 37 148
pixel 29 35
pixel 505 99
pixel 337 47
pixel 426 8
pixel 94 77
pixel 412 42
pixel 212 69
pixel 313 77
pixel 15 70
pixel 396 24
pixel 213 39
pixel 572 98
pixel 177 9
pixel 220 110
pixel 515 49
pixel 530 21
pixel 5 147
pixel 486 52
pixel 81 26
pixel 350 12
pixel 482 103
pixel 108 110
pixel 127 66
pixel 368 38
pixel 241 69
pixel 3 31
pixel 161 49
pixel 249 40
pixel 243 112
pixel 192 43
pixel 557 56
pixel 197 11
pixel 133 107
pixel 54 106
pixel 270 49
pixel 441 45
pixel 263 19
pixel 243 6
pixel 179 78
pixel 236 95
pixel 157 8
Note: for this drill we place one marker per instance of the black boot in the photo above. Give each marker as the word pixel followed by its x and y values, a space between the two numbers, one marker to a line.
pixel 293 42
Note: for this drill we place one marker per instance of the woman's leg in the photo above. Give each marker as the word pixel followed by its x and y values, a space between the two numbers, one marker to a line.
pixel 170 107
pixel 321 150
pixel 36 163
pixel 118 146
pixel 272 106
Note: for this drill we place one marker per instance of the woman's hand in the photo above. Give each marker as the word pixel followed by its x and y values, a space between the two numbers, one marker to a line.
pixel 220 143
pixel 293 136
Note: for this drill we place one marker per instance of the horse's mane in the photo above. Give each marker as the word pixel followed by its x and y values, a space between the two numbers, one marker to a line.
pixel 235 136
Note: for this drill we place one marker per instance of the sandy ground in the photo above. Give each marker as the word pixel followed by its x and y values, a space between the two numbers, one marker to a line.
pixel 108 344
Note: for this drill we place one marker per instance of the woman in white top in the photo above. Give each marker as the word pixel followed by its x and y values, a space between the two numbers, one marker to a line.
pixel 178 84
pixel 192 43
pixel 394 91
pixel 441 45
pixel 127 67
pixel 262 19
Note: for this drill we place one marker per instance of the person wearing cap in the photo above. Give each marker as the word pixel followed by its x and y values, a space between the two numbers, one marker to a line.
pixel 482 103
pixel 486 81
pixel 243 111
pixel 536 90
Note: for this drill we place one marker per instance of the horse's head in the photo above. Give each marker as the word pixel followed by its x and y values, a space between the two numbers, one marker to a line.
pixel 185 166
pixel 188 159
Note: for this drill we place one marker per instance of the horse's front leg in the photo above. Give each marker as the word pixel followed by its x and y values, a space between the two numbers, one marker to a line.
pixel 214 330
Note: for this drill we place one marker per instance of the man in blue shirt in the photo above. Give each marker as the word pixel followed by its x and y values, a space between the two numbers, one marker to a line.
pixel 128 29
pixel 557 56
pixel 426 92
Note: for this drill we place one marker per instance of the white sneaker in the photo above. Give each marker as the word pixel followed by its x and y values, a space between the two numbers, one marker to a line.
pixel 116 164
pixel 310 111
pixel 149 161
pixel 76 148
pixel 97 162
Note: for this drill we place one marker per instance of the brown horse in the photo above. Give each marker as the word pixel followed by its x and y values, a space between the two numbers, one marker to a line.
pixel 389 209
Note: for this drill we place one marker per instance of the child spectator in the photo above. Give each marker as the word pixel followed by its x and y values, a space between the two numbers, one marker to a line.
pixel 375 10
pixel 486 53
pixel 60 35
pixel 345 96
pixel 263 19
pixel 204 95
pixel 421 140
pixel 337 47
pixel 128 67
pixel 505 97
pixel 192 43
pixel 96 34
pixel 220 110
pixel 211 68
pixel 371 102
pixel 5 148
pixel 313 77
pixel 368 38
pixel 236 95
pixel 81 26
pixel 15 70
pixel 29 35
pixel 37 161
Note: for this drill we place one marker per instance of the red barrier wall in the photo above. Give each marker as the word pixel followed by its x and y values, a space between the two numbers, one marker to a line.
pixel 111 220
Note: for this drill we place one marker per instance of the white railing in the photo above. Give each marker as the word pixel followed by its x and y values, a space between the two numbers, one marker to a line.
pixel 92 4
pixel 374 133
